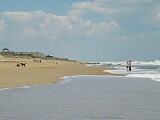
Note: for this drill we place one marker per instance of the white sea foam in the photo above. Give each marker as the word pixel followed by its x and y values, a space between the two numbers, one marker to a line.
pixel 141 74
pixel 1 89
pixel 67 79
pixel 113 63
pixel 120 71
pixel 21 87
pixel 145 69
pixel 154 62
pixel 24 87
pixel 64 80
pixel 155 77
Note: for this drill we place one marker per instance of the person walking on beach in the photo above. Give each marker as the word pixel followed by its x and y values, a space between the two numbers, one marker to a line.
pixel 129 65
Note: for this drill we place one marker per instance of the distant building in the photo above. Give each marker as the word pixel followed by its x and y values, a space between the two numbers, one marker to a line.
pixel 49 56
pixel 19 53
pixel 5 50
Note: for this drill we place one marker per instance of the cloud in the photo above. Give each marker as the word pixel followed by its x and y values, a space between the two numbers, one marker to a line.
pixel 157 12
pixel 31 25
pixel 29 33
pixel 17 16
pixel 81 8
pixel 106 7
pixel 2 28
pixel 100 30
pixel 158 16
pixel 55 25
pixel 40 26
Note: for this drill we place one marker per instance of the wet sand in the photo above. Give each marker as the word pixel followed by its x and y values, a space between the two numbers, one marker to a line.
pixel 42 73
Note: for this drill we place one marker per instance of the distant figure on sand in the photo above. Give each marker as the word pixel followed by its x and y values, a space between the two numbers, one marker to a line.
pixel 129 65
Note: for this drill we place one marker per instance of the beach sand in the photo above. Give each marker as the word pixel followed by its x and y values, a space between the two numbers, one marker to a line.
pixel 41 73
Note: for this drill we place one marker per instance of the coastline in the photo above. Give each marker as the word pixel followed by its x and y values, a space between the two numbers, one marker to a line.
pixel 46 72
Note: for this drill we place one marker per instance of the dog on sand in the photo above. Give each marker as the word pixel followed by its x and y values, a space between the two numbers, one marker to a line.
pixel 23 64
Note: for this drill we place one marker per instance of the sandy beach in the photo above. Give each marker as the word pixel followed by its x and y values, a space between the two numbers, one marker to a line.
pixel 41 73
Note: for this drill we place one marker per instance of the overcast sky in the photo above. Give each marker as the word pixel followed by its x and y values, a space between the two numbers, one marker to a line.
pixel 86 30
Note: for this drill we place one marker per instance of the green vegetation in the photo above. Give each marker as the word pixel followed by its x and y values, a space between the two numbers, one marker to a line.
pixel 29 55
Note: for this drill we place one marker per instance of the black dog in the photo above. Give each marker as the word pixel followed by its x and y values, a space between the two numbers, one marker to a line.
pixel 23 64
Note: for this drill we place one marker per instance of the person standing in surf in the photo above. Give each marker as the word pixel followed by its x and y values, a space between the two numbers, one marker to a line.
pixel 129 65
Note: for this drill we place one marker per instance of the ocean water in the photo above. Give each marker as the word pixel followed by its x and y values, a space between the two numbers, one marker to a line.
pixel 143 69
pixel 84 98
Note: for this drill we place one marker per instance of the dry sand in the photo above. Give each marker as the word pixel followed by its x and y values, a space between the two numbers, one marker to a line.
pixel 41 73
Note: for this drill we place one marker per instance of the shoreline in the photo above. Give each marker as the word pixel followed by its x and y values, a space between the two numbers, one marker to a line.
pixel 46 72
pixel 60 81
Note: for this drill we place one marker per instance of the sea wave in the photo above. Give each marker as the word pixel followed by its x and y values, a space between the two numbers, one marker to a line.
pixel 152 62
pixel 21 87
pixel 155 77
pixel 145 69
